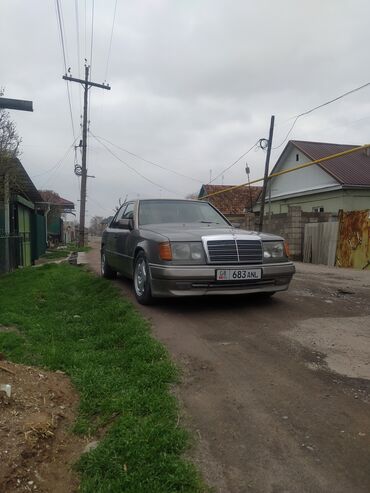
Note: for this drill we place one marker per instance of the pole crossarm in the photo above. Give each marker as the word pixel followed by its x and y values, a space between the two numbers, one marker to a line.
pixel 89 83
pixel 290 170
pixel 16 104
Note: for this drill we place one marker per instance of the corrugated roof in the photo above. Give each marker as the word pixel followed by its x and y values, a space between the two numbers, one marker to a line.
pixel 233 202
pixel 53 198
pixel 351 170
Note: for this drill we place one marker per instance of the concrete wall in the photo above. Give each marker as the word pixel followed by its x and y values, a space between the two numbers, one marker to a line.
pixel 288 225
pixel 291 227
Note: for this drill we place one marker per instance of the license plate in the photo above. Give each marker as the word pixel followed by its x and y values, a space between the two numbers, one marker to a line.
pixel 238 274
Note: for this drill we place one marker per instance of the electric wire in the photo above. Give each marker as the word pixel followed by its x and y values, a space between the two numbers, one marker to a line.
pixel 131 167
pixel 49 170
pixel 234 163
pixel 151 162
pixel 307 112
pixel 78 50
pixel 58 165
pixel 61 31
pixel 290 170
pixel 102 207
pixel 92 34
pixel 110 40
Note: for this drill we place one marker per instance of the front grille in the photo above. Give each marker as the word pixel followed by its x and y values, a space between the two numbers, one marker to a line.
pixel 234 251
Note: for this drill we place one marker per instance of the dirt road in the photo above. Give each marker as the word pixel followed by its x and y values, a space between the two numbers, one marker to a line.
pixel 269 414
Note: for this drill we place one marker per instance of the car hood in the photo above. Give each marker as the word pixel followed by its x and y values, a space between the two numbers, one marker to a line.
pixel 195 231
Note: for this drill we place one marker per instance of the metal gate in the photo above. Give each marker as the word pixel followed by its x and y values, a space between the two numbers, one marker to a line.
pixel 24 231
pixel 320 243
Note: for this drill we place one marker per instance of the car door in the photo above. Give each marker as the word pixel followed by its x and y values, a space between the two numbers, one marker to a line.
pixel 112 235
pixel 122 240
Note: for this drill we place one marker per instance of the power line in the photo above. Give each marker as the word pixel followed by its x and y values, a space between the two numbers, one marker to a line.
pixel 150 162
pixel 287 135
pixel 98 204
pixel 92 35
pixel 78 49
pixel 61 30
pixel 234 163
pixel 58 163
pixel 85 32
pixel 307 112
pixel 290 170
pixel 132 168
pixel 110 41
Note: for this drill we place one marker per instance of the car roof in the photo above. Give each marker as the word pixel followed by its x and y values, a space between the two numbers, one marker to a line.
pixel 168 200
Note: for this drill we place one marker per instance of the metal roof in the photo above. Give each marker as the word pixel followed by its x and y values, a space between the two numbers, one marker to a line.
pixel 232 202
pixel 52 198
pixel 352 170
pixel 19 181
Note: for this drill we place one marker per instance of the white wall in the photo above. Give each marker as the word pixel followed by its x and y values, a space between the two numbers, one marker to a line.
pixel 310 178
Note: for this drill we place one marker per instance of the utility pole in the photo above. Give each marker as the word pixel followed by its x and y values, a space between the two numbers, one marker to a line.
pixel 86 85
pixel 265 179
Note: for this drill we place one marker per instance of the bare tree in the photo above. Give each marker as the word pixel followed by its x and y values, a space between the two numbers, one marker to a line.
pixel 192 196
pixel 9 137
pixel 96 226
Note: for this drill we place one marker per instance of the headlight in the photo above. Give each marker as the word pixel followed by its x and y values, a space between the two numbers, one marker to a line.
pixel 187 251
pixel 273 250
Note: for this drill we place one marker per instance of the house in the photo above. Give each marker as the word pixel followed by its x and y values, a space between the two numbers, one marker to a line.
pixel 233 204
pixel 22 222
pixel 55 207
pixel 339 183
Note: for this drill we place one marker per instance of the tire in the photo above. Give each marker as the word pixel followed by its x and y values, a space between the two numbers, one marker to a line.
pixel 106 270
pixel 142 280
pixel 266 295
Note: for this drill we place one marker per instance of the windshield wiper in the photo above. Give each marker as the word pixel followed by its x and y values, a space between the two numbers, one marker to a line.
pixel 208 222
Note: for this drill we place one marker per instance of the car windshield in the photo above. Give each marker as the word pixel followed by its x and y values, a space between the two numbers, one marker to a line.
pixel 178 211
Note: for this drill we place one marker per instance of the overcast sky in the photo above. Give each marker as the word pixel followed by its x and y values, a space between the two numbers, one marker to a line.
pixel 194 84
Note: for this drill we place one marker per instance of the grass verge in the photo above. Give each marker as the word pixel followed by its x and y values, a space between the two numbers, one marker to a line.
pixel 74 321
pixel 63 252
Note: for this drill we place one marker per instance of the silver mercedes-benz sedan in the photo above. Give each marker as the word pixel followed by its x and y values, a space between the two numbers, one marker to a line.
pixel 188 248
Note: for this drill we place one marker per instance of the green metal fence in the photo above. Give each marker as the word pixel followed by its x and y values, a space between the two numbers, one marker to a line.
pixel 10 253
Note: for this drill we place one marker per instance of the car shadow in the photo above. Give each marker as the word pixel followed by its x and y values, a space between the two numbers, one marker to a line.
pixel 200 303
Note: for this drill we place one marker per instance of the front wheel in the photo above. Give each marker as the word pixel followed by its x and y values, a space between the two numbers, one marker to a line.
pixel 142 281
pixel 106 270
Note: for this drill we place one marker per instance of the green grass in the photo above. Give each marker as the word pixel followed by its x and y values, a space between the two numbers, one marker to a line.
pixel 64 252
pixel 74 321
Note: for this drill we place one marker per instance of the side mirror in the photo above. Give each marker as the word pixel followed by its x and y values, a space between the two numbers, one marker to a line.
pixel 124 224
pixel 236 225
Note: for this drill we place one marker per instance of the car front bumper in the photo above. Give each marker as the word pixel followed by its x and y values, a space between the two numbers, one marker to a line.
pixel 201 280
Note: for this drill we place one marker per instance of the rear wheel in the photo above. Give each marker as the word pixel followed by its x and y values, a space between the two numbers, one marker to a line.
pixel 106 270
pixel 142 280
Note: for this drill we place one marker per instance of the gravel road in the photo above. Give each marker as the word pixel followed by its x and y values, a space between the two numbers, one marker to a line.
pixel 277 391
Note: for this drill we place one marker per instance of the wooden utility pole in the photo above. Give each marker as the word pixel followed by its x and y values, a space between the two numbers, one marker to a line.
pixel 86 85
pixel 265 179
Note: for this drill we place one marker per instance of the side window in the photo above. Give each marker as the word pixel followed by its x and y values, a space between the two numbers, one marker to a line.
pixel 129 211
pixel 115 218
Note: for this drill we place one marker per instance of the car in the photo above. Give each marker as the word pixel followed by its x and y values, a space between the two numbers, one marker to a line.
pixel 173 247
